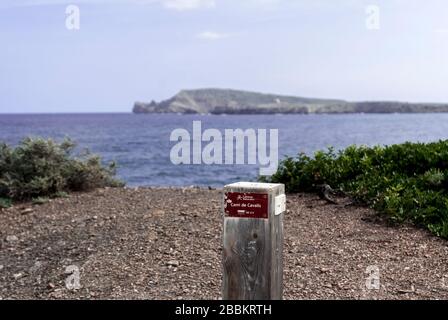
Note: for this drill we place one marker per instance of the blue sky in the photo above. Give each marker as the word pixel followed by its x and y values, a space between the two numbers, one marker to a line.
pixel 150 49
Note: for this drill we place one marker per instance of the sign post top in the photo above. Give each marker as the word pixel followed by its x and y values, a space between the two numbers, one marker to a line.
pixel 254 185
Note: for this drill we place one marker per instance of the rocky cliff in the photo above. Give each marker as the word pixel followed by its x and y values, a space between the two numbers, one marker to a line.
pixel 226 101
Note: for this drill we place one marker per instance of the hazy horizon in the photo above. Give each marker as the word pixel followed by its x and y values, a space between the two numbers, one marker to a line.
pixel 105 111
pixel 140 50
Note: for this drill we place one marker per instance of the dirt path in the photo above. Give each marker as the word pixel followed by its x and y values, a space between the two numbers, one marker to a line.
pixel 166 244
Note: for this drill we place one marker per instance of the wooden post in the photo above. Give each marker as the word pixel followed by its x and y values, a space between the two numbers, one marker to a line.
pixel 253 241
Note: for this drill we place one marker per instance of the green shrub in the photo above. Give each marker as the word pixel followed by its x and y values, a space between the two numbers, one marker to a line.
pixel 42 168
pixel 40 200
pixel 408 182
pixel 60 194
pixel 5 203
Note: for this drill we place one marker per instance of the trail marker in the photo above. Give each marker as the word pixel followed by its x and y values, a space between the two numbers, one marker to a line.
pixel 253 241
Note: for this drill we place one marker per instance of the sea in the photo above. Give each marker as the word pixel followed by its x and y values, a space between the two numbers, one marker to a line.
pixel 140 143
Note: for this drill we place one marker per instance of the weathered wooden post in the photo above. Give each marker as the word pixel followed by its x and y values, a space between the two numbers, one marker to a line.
pixel 253 241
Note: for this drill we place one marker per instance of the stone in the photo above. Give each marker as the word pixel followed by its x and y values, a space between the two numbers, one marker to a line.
pixel 18 275
pixel 26 211
pixel 173 263
pixel 11 238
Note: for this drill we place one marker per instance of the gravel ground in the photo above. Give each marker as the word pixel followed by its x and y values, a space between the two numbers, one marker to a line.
pixel 166 244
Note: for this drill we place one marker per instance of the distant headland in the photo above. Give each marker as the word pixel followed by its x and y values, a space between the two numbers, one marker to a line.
pixel 227 101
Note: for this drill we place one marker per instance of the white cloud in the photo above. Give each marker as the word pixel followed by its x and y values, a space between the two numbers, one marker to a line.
pixel 188 4
pixel 210 35
pixel 180 5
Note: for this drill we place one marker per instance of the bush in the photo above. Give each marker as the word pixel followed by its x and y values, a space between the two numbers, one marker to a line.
pixel 407 182
pixel 39 168
pixel 5 203
pixel 40 200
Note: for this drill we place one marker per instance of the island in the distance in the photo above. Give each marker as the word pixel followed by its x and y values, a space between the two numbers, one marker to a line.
pixel 227 101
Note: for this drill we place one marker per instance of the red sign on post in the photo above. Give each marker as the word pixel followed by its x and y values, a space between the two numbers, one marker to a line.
pixel 246 205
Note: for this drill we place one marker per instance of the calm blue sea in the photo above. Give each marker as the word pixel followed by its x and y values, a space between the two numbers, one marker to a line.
pixel 140 143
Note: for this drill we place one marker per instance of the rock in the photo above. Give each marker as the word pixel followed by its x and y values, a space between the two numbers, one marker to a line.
pixel 26 211
pixel 37 266
pixel 11 238
pixel 158 213
pixel 1 267
pixel 51 286
pixel 225 101
pixel 404 291
pixel 56 294
pixel 173 263
pixel 18 275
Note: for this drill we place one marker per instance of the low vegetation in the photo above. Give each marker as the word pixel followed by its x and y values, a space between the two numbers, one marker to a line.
pixel 407 182
pixel 38 169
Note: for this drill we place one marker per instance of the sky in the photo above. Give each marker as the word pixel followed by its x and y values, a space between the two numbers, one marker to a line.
pixel 140 50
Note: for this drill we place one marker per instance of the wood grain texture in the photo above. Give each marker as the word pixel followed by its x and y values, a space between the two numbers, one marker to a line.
pixel 252 253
